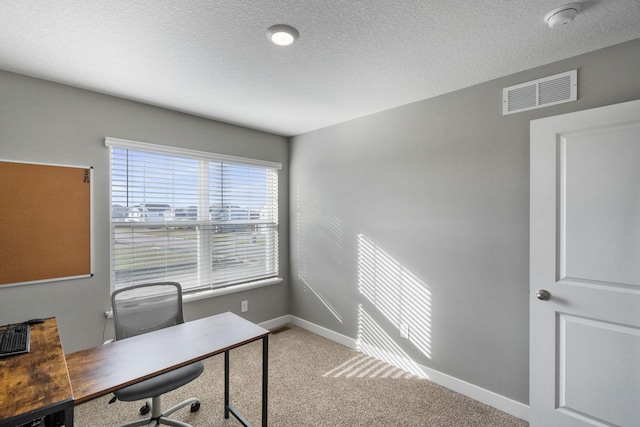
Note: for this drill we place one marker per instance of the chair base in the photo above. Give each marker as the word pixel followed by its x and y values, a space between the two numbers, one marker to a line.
pixel 161 418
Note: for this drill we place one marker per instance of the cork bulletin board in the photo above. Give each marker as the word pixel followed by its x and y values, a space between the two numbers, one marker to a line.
pixel 45 222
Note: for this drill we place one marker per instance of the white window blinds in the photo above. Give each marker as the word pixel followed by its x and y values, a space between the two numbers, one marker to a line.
pixel 200 219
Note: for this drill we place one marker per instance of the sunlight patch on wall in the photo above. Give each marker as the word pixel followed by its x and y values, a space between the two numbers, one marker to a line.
pixel 324 229
pixel 374 341
pixel 325 226
pixel 322 299
pixel 396 292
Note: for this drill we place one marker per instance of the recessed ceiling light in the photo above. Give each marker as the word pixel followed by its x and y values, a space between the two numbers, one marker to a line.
pixel 282 35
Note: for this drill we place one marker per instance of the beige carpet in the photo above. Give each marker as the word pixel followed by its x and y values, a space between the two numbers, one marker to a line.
pixel 313 382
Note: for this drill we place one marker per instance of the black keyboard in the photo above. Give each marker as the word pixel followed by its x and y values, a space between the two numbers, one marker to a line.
pixel 15 339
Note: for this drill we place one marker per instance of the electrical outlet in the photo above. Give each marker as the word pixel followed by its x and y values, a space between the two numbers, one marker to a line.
pixel 244 306
pixel 404 331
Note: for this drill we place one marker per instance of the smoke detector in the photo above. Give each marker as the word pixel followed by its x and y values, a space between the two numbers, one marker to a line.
pixel 562 15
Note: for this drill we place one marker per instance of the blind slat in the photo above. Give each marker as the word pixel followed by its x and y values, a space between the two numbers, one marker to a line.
pixel 200 222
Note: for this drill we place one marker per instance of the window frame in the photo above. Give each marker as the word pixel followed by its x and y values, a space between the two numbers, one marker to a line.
pixel 202 226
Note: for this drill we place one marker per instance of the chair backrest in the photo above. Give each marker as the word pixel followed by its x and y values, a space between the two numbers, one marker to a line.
pixel 144 308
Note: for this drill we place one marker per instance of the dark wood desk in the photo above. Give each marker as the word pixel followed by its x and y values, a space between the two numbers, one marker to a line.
pixel 36 384
pixel 101 370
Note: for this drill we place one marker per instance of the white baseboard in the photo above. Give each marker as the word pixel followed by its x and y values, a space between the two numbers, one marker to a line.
pixel 324 332
pixel 504 404
pixel 480 394
pixel 276 323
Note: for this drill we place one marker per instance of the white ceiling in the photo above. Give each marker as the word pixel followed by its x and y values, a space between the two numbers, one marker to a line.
pixel 211 58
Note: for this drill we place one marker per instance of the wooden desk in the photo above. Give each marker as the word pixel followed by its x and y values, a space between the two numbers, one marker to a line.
pixel 36 384
pixel 101 370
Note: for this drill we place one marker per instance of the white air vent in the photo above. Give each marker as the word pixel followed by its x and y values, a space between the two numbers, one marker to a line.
pixel 540 93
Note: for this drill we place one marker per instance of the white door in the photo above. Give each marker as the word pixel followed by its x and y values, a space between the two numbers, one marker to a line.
pixel 585 268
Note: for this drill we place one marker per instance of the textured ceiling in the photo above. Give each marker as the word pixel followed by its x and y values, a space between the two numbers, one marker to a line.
pixel 354 57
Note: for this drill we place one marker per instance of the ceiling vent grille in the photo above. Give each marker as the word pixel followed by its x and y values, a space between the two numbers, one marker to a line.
pixel 540 93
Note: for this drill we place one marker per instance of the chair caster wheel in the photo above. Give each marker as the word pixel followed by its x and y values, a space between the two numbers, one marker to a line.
pixel 144 410
pixel 195 407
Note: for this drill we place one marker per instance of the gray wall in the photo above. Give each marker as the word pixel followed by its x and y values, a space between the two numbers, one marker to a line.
pixel 420 215
pixel 429 200
pixel 51 123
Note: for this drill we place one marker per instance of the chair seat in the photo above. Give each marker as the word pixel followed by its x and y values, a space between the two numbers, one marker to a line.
pixel 160 384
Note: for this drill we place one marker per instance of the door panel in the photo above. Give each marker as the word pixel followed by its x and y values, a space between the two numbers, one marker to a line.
pixel 585 251
pixel 591 353
pixel 601 198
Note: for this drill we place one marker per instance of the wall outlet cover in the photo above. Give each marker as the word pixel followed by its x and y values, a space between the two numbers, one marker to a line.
pixel 404 330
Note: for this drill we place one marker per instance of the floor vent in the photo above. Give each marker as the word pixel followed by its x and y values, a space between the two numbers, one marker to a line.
pixel 540 93
pixel 280 329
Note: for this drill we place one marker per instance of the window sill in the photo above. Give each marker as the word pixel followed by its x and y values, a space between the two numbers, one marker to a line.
pixel 212 293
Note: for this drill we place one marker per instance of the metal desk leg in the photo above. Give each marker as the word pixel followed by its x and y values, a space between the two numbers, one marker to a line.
pixel 228 408
pixel 68 417
pixel 265 378
pixel 226 384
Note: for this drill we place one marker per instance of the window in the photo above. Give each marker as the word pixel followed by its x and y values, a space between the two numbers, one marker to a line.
pixel 200 219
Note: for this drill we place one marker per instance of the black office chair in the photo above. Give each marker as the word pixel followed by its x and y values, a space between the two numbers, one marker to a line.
pixel 144 308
